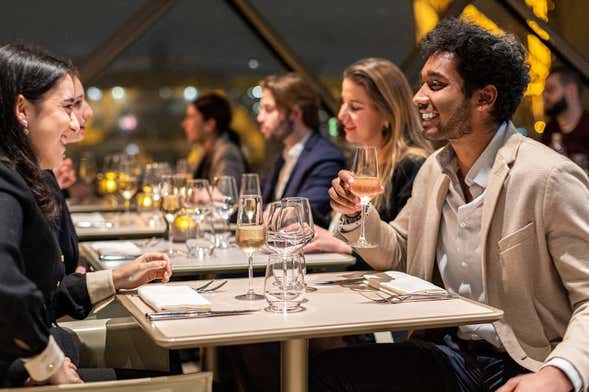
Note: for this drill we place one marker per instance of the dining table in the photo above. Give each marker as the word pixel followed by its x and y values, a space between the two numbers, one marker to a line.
pixel 118 225
pixel 331 310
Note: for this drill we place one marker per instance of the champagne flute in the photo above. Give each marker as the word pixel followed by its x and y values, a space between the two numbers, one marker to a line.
pixel 250 185
pixel 250 236
pixel 225 201
pixel 366 185
pixel 169 205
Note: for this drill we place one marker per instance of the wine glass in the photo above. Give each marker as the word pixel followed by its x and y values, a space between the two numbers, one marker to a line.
pixel 250 185
pixel 308 228
pixel 286 234
pixel 127 184
pixel 225 200
pixel 366 185
pixel 169 205
pixel 250 236
pixel 87 167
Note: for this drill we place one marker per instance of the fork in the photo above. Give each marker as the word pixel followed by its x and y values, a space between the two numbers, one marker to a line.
pixel 205 287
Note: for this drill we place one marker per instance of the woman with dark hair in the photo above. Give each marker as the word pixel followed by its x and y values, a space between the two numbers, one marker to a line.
pixel 36 119
pixel 208 123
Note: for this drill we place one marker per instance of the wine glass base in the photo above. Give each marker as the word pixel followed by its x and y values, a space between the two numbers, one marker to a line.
pixel 249 297
pixel 284 309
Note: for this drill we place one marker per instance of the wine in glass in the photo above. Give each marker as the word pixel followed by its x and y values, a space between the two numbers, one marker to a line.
pixel 127 187
pixel 250 236
pixel 169 205
pixel 87 167
pixel 366 185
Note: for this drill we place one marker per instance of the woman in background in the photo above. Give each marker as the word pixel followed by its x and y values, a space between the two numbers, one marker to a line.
pixel 208 123
pixel 377 110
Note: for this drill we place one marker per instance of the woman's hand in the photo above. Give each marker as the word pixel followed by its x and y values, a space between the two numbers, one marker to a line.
pixel 142 270
pixel 342 199
pixel 67 374
pixel 324 241
pixel 65 174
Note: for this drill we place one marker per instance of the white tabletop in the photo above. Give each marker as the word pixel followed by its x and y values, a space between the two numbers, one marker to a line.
pixel 330 311
pixel 228 260
pixel 111 225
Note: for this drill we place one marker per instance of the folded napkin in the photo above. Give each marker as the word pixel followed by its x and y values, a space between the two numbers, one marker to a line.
pixel 176 298
pixel 117 248
pixel 88 217
pixel 401 283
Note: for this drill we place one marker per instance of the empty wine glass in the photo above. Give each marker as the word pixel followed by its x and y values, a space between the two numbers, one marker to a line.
pixel 366 185
pixel 225 199
pixel 87 167
pixel 308 228
pixel 250 236
pixel 250 185
pixel 286 234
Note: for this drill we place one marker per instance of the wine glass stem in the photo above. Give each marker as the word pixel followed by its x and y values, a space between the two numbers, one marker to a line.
pixel 250 272
pixel 363 220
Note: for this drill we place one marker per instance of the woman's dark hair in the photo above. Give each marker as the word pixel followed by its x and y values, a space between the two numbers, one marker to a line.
pixel 217 107
pixel 483 59
pixel 29 72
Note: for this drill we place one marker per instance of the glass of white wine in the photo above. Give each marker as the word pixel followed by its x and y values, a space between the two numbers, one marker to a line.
pixel 366 186
pixel 250 237
pixel 169 205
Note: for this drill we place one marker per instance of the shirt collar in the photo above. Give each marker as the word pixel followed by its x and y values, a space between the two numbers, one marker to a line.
pixel 295 151
pixel 479 172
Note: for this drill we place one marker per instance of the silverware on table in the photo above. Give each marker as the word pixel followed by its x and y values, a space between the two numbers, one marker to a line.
pixel 174 315
pixel 339 281
pixel 117 257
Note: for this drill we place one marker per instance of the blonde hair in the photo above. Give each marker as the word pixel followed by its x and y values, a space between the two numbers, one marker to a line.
pixel 388 88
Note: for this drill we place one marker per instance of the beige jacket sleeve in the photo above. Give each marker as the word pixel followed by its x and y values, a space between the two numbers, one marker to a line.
pixel 567 220
pixel 391 252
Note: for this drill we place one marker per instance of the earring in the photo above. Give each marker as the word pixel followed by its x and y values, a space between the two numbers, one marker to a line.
pixel 26 131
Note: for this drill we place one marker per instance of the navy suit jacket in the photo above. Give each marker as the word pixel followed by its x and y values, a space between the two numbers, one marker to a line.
pixel 311 177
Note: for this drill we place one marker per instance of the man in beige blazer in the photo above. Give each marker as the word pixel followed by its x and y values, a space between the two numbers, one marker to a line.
pixel 494 216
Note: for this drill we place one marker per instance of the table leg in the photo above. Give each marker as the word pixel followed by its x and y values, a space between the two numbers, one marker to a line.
pixel 294 365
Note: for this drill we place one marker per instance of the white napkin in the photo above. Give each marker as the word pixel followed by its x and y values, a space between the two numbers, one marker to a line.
pixel 87 217
pixel 176 298
pixel 116 248
pixel 401 283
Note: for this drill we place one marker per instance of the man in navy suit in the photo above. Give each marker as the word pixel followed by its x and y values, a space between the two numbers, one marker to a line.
pixel 289 113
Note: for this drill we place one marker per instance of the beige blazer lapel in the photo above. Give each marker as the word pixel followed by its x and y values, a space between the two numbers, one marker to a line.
pixel 423 262
pixel 505 156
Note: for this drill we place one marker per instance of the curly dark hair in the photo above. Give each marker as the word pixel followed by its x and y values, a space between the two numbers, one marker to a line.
pixel 29 71
pixel 483 59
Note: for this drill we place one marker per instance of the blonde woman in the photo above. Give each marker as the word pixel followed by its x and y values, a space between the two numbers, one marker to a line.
pixel 377 111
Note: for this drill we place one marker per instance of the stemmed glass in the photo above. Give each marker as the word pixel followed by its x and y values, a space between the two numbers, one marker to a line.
pixel 366 185
pixel 169 204
pixel 250 185
pixel 198 199
pixel 127 184
pixel 308 228
pixel 250 236
pixel 87 167
pixel 286 233
pixel 225 201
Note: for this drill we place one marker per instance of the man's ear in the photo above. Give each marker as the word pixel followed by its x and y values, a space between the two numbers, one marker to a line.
pixel 296 114
pixel 486 97
pixel 22 110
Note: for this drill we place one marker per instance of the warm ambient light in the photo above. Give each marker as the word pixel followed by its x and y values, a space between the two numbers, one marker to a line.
pixel 539 126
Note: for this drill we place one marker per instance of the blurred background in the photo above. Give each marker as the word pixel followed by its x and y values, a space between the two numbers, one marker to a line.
pixel 142 61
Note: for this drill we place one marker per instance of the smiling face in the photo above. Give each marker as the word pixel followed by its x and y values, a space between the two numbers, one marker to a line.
pixel 82 111
pixel 361 120
pixel 51 122
pixel 445 112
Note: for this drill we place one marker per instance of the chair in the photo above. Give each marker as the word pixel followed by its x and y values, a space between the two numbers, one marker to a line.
pixel 196 382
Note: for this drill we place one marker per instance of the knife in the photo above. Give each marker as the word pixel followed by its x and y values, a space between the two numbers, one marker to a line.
pixel 195 314
pixel 117 257
pixel 339 281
